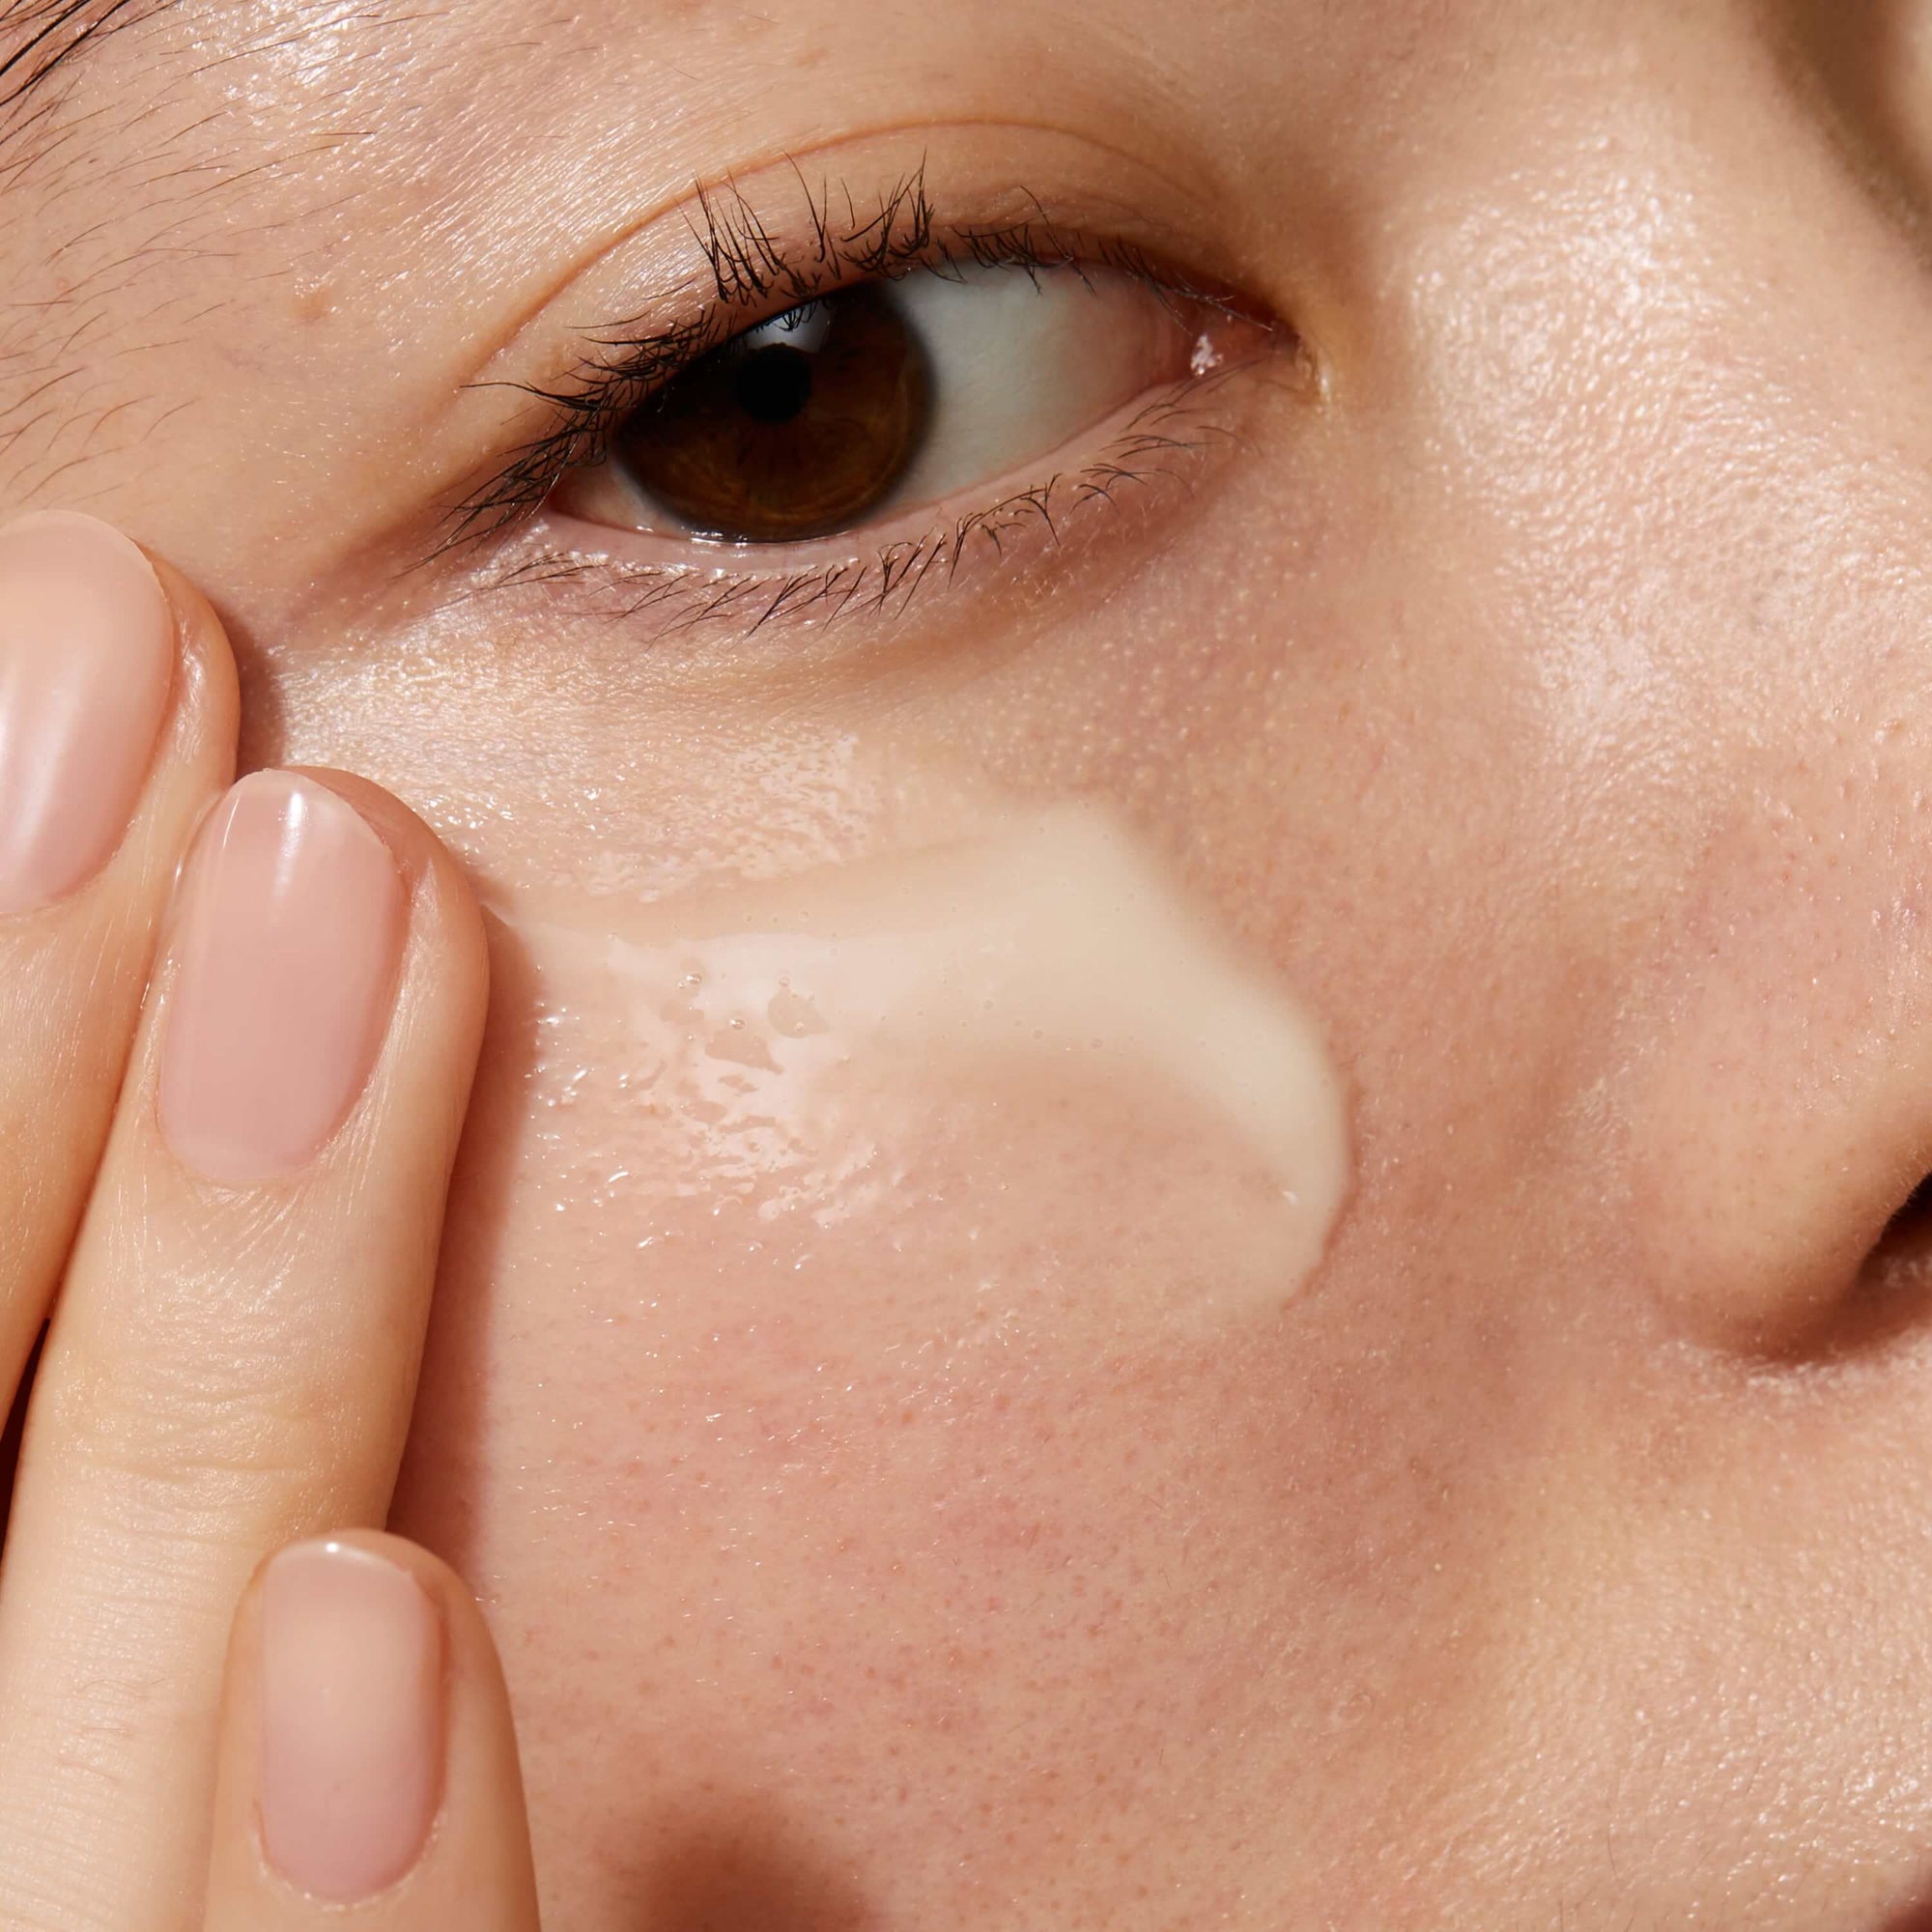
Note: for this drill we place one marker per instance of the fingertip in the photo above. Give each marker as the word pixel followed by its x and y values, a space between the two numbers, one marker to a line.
pixel 368 1758
pixel 427 866
pixel 353 1700
pixel 470 1648
pixel 120 713
pixel 453 1598
pixel 330 967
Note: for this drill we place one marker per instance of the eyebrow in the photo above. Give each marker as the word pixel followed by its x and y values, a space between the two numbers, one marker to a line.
pixel 53 34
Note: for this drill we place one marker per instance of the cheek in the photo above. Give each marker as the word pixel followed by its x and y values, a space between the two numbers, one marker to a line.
pixel 871 1382
pixel 860 1254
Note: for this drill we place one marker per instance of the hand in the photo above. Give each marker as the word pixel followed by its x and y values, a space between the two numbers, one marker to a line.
pixel 228 1113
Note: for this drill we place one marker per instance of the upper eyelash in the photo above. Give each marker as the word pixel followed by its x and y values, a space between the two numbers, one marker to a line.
pixel 749 270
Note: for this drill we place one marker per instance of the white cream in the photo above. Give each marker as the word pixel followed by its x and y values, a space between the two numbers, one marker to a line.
pixel 1044 987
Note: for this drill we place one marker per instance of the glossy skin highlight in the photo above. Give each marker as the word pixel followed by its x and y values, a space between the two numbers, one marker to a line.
pixel 1537 699
pixel 1037 992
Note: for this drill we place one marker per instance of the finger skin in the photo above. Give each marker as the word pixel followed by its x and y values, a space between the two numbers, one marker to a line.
pixel 230 1367
pixel 474 1871
pixel 71 979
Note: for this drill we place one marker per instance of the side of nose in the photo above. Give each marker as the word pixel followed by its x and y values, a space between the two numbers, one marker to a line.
pixel 1657 353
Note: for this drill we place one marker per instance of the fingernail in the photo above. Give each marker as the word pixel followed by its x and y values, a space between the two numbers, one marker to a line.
pixel 352 1721
pixel 87 651
pixel 291 939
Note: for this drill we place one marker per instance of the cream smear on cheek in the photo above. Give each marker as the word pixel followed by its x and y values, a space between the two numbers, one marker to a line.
pixel 1020 1065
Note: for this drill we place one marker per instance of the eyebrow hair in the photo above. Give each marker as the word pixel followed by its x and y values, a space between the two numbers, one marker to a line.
pixel 55 34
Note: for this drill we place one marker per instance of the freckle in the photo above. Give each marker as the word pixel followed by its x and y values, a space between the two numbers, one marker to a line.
pixel 316 302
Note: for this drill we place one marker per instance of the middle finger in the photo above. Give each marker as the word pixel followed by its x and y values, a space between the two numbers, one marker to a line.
pixel 233 1355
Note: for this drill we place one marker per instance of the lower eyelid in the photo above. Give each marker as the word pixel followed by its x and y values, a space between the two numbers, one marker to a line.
pixel 1156 453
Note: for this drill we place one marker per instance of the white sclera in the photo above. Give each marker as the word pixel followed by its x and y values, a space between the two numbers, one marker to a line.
pixel 1022 363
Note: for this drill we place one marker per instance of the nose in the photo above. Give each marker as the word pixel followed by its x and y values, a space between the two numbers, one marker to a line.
pixel 1660 353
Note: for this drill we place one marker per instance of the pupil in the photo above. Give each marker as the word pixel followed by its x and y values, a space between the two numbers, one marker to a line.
pixel 775 384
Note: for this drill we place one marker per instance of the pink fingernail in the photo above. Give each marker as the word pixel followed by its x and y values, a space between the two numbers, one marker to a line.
pixel 292 937
pixel 352 1721
pixel 87 651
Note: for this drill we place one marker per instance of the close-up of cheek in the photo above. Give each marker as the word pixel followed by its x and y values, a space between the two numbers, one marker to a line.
pixel 842 1249
pixel 929 1195
pixel 918 1109
pixel 1044 1241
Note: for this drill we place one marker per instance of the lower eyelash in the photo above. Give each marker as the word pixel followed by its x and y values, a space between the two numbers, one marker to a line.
pixel 1159 445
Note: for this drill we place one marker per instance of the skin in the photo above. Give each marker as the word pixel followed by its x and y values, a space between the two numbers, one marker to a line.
pixel 1532 690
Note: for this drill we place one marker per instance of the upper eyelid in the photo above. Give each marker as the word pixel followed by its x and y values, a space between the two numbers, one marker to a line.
pixel 752 273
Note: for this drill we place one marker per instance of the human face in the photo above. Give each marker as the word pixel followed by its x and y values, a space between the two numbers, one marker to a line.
pixel 1189 1219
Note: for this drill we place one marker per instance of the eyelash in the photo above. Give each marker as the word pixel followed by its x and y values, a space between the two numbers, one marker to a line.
pixel 688 596
pixel 753 277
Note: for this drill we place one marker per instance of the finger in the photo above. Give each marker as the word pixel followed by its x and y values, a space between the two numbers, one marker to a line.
pixel 117 732
pixel 368 1774
pixel 234 1356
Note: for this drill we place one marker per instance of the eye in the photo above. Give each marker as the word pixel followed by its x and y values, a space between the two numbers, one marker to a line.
pixel 889 396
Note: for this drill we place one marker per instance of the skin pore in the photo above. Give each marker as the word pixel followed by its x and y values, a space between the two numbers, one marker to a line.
pixel 1505 663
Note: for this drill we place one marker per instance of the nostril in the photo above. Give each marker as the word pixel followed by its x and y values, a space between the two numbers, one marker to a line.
pixel 1907 1239
pixel 1895 1281
pixel 1917 1205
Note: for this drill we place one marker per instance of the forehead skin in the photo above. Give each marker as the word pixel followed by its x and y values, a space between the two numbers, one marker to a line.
pixel 1547 704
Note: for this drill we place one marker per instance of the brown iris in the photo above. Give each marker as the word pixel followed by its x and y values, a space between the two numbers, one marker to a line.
pixel 792 430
